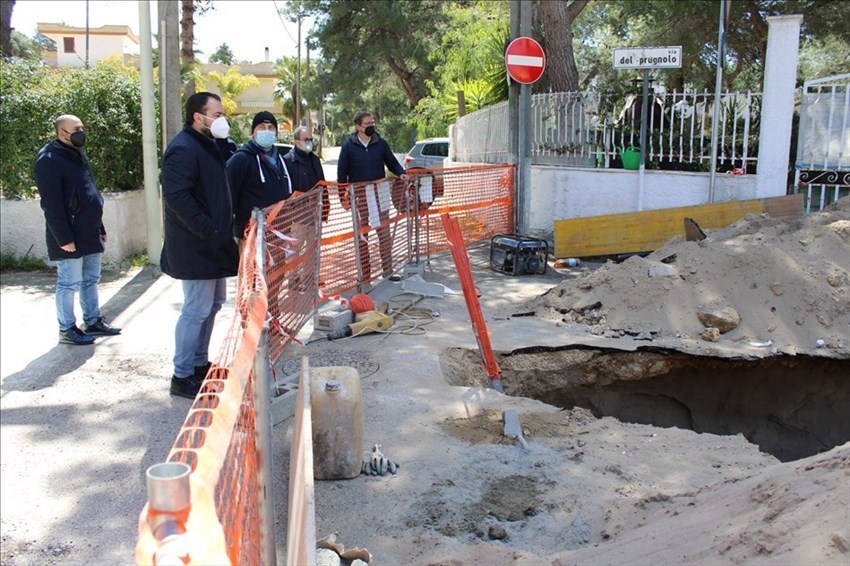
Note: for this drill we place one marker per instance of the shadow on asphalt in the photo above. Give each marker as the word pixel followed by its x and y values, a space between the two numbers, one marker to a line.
pixel 62 358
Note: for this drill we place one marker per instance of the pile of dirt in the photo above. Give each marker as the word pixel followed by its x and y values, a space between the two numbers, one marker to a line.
pixel 775 283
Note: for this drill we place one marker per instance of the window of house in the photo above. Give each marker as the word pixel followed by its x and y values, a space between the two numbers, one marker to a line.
pixel 69 45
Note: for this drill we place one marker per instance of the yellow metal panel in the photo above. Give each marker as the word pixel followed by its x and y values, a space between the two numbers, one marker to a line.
pixel 647 230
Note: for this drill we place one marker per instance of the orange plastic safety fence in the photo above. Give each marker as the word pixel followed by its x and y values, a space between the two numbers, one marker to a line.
pixel 217 440
pixel 312 249
pixel 393 230
pixel 292 230
pixel 480 197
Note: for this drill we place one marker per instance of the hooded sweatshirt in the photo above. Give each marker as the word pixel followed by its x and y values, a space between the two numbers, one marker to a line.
pixel 255 183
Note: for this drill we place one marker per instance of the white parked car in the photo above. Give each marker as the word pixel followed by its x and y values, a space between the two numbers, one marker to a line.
pixel 427 154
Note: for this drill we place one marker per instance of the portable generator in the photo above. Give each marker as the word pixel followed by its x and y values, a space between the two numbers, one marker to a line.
pixel 518 255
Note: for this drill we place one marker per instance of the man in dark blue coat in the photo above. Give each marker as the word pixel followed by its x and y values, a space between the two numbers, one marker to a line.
pixel 76 238
pixel 362 159
pixel 199 248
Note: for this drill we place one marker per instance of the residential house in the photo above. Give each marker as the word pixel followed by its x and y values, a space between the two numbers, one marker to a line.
pixel 103 42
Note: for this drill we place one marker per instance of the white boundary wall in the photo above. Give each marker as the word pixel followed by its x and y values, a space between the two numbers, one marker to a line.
pixel 22 226
pixel 559 193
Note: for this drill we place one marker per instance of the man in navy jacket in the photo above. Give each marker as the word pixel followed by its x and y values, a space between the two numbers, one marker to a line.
pixel 76 238
pixel 256 173
pixel 362 159
pixel 199 248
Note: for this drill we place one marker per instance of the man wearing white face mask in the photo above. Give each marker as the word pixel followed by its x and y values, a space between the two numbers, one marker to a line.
pixel 305 168
pixel 198 248
pixel 256 173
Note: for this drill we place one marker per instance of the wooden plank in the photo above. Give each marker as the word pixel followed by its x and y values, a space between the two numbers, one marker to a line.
pixel 647 230
pixel 301 515
pixel 789 206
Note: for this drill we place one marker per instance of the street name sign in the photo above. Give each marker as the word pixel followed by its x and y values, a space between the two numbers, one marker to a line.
pixel 648 57
pixel 525 60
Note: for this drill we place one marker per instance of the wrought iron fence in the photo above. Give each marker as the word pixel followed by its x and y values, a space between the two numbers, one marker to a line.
pixel 822 168
pixel 585 129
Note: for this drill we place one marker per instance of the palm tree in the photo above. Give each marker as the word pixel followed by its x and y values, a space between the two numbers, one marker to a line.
pixel 231 85
pixel 287 71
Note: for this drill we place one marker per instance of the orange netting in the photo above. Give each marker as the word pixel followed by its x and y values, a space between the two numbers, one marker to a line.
pixel 314 247
pixel 218 441
pixel 389 230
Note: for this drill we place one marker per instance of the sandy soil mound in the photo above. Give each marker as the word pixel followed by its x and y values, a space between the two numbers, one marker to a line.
pixel 781 284
pixel 793 513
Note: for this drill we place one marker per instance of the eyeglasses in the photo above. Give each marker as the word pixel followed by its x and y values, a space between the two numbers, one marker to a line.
pixel 365 125
pixel 306 139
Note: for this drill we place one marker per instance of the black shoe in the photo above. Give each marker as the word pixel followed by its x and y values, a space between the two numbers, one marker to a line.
pixel 202 371
pixel 75 336
pixel 100 328
pixel 186 387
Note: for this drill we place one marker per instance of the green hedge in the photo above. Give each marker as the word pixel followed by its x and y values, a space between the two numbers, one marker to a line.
pixel 106 98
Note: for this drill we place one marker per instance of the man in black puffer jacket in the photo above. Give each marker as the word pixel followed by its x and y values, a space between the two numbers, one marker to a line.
pixel 199 247
pixel 76 238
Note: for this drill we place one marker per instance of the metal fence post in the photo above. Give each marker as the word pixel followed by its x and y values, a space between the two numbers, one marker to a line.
pixel 262 415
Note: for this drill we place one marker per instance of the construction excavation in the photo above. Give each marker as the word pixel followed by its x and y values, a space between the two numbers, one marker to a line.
pixel 687 406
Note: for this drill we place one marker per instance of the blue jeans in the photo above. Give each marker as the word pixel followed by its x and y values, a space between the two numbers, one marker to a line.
pixel 78 274
pixel 202 299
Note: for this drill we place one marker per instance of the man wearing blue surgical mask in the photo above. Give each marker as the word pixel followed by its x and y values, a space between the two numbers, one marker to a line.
pixel 256 173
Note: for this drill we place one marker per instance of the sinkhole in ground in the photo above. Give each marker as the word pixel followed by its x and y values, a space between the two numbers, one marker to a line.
pixel 791 407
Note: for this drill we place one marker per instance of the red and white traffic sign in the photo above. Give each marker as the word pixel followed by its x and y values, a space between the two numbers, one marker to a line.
pixel 525 60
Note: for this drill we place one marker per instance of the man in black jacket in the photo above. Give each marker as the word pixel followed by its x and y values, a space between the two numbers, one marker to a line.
pixel 256 173
pixel 76 238
pixel 198 247
pixel 362 159
pixel 305 168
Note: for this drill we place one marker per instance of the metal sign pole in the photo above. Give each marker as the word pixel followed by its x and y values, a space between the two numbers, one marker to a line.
pixel 524 168
pixel 718 83
pixel 643 153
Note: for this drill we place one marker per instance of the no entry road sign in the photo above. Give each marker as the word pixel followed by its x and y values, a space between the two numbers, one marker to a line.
pixel 525 60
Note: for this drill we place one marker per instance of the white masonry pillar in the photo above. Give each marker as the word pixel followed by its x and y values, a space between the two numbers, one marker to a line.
pixel 777 107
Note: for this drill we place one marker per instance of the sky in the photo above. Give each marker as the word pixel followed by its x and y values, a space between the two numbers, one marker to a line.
pixel 247 26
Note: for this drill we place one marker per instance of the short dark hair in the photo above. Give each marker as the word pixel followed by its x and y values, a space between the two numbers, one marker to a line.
pixel 196 103
pixel 358 117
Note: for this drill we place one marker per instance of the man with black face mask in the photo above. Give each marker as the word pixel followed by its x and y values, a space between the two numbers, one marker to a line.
pixel 362 159
pixel 76 238
pixel 199 248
